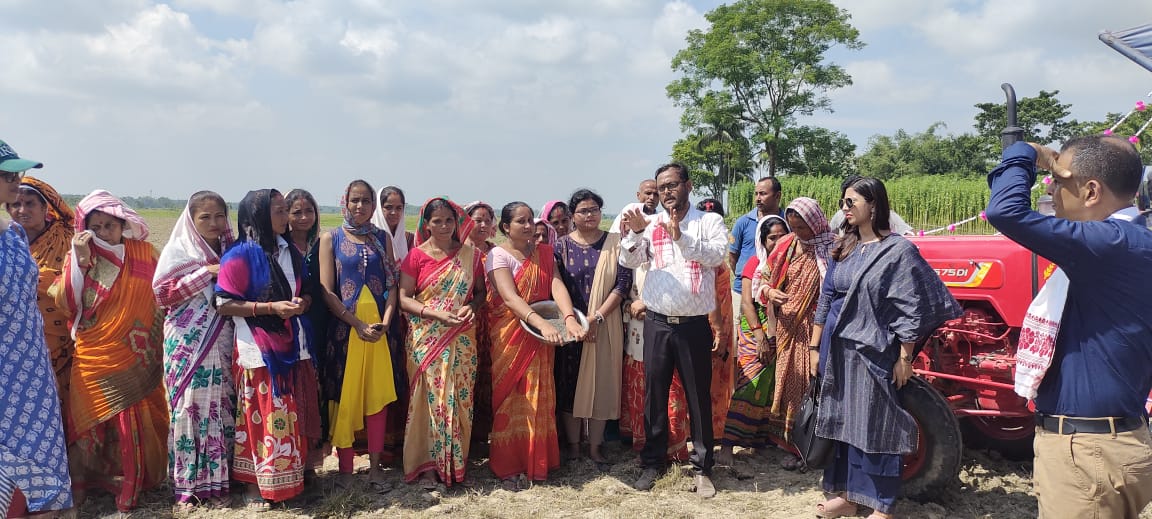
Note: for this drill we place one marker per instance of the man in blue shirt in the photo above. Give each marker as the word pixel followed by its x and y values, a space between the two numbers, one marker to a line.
pixel 1093 453
pixel 742 241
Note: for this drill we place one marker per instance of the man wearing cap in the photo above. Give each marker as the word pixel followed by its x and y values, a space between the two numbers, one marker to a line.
pixel 682 247
pixel 33 462
pixel 1086 344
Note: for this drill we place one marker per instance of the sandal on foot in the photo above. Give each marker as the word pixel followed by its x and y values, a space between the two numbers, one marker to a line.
pixel 256 504
pixel 836 507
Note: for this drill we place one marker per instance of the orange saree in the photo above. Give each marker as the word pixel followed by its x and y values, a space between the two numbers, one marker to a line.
pixel 118 423
pixel 49 250
pixel 523 437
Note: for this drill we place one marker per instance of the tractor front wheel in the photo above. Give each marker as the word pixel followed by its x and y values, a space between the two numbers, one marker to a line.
pixel 936 462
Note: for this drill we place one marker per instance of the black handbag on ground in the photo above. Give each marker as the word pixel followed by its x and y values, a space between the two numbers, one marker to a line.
pixel 815 451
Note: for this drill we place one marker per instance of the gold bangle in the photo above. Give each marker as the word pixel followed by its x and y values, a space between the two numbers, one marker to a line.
pixel 526 317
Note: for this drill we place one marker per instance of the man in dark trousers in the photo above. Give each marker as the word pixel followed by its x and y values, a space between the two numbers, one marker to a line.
pixel 1085 353
pixel 682 247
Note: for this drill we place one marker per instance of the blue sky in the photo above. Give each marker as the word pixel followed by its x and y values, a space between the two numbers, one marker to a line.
pixel 477 99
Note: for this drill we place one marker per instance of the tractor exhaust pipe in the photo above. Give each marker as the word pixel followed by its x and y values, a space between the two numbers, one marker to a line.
pixel 1013 132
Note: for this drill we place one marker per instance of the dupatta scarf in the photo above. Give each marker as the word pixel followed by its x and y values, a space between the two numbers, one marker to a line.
pixel 533 283
pixel 249 271
pixel 400 237
pixel 183 284
pixel 602 361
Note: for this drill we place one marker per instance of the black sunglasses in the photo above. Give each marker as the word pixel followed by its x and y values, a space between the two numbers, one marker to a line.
pixel 9 176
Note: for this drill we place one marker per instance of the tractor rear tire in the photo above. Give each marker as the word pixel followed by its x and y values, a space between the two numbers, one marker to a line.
pixel 936 462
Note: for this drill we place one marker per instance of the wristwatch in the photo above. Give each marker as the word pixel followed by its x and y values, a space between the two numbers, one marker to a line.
pixel 599 317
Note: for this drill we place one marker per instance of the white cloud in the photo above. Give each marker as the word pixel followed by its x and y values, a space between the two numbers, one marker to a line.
pixel 155 56
pixel 875 15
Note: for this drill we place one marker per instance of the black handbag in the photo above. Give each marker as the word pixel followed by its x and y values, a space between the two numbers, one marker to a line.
pixel 815 451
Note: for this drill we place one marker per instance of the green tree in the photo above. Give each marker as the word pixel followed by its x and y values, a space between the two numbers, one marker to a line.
pixel 1044 120
pixel 809 150
pixel 928 152
pixel 767 58
pixel 715 158
pixel 1127 129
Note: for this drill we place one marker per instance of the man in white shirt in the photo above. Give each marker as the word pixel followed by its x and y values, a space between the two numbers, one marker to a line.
pixel 682 247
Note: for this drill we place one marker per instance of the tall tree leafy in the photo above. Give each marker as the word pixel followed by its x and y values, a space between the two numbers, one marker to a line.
pixel 716 159
pixel 767 58
pixel 928 152
pixel 808 150
pixel 1044 120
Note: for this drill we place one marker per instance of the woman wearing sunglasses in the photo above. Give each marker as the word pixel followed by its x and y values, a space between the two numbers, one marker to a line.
pixel 879 297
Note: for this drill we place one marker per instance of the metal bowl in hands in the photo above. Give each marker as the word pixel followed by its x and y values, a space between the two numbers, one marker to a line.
pixel 550 311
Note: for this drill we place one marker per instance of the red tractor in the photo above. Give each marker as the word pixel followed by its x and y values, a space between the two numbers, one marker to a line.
pixel 965 384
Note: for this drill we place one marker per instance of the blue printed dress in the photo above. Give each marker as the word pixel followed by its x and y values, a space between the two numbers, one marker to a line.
pixel 32 454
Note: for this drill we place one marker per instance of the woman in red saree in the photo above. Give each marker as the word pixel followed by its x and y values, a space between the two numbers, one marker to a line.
pixel 439 291
pixel 524 441
pixel 117 424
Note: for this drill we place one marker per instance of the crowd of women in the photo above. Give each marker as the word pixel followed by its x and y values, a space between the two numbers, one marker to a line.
pixel 249 354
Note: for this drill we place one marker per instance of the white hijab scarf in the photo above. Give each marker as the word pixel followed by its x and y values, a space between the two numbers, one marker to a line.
pixel 400 239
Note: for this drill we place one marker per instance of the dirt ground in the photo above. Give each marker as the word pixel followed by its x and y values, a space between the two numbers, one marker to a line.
pixel 990 487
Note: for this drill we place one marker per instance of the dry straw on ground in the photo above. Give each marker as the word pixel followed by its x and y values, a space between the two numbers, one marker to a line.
pixel 990 487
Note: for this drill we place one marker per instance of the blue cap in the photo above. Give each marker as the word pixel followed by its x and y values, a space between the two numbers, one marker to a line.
pixel 12 163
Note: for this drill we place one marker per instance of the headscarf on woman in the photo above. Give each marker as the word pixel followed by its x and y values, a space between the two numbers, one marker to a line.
pixel 100 200
pixel 367 231
pixel 187 251
pixel 464 224
pixel 767 221
pixel 824 238
pixel 400 237
pixel 546 210
pixel 476 203
pixel 52 245
pixel 552 236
